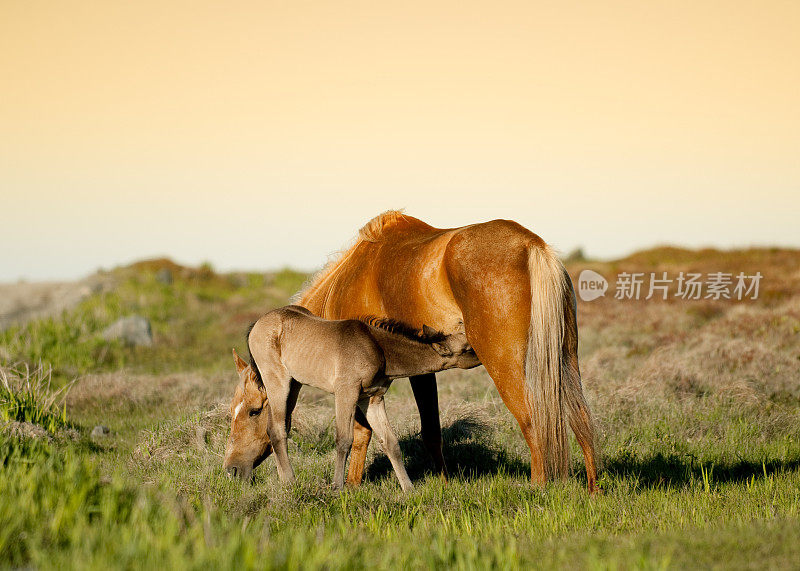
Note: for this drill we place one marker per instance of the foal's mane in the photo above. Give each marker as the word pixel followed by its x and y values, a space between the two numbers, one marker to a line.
pixel 401 328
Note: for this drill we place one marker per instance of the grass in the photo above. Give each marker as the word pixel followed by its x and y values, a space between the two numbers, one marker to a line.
pixel 192 318
pixel 26 396
pixel 698 407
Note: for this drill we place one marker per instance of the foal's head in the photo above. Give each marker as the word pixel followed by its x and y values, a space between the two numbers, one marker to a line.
pixel 455 348
pixel 248 444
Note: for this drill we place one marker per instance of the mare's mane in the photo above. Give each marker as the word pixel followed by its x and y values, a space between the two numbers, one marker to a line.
pixel 372 231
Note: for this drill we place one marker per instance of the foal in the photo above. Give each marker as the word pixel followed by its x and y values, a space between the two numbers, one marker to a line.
pixel 356 360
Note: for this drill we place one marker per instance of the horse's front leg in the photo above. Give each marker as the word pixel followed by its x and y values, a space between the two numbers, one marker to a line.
pixel 362 433
pixel 279 396
pixel 346 401
pixel 427 397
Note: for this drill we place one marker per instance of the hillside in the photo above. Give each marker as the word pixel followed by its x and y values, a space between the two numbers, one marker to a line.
pixel 697 400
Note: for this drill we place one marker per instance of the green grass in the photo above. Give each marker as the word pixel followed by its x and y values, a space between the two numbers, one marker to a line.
pixel 26 396
pixel 699 424
pixel 192 318
pixel 658 510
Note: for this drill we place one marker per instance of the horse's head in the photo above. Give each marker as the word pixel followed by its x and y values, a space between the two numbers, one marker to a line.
pixel 248 443
pixel 455 348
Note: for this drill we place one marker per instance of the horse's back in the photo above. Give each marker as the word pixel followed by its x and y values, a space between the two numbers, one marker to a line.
pixel 318 351
pixel 408 270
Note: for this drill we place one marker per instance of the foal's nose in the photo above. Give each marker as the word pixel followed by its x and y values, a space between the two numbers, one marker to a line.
pixel 233 471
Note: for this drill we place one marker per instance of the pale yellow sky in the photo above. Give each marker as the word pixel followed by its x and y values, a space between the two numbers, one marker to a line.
pixel 259 134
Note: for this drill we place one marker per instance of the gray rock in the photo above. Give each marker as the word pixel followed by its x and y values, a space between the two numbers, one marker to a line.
pixel 100 432
pixel 27 430
pixel 132 330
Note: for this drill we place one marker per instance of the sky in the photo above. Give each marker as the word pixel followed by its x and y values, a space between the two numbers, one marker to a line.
pixel 255 135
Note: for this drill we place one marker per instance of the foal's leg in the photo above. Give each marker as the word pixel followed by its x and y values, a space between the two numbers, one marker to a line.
pixel 426 395
pixel 278 393
pixel 346 400
pixel 376 415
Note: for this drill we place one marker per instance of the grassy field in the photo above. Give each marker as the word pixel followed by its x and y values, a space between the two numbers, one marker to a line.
pixel 697 402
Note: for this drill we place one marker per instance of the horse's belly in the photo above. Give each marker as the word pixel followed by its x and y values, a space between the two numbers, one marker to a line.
pixel 314 372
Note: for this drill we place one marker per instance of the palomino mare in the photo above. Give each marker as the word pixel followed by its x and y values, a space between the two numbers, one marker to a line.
pixel 499 283
pixel 356 360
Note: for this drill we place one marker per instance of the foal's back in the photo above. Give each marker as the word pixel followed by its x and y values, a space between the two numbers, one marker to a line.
pixel 291 341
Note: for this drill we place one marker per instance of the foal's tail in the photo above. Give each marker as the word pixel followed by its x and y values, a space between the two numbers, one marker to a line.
pixel 546 373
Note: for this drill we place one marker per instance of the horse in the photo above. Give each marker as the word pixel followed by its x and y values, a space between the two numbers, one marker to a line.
pixel 355 359
pixel 506 289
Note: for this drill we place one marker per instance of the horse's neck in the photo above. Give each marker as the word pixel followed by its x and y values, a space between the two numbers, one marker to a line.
pixel 405 357
pixel 339 290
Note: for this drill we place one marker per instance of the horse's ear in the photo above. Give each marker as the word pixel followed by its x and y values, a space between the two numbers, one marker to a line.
pixel 241 365
pixel 428 330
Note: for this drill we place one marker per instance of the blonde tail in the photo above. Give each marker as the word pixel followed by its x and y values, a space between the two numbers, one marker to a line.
pixel 544 365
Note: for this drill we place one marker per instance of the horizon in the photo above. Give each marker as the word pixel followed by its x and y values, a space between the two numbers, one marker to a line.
pixel 565 256
pixel 264 135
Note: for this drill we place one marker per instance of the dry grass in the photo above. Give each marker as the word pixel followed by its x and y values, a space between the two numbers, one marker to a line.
pixel 125 392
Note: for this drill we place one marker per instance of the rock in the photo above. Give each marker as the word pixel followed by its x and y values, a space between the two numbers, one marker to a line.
pixel 27 430
pixel 164 276
pixel 99 432
pixel 132 330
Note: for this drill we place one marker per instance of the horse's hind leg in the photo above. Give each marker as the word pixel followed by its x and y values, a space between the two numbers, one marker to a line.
pixel 508 375
pixel 278 394
pixel 499 338
pixel 376 415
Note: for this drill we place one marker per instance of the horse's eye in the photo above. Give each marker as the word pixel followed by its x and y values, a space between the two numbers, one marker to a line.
pixel 256 411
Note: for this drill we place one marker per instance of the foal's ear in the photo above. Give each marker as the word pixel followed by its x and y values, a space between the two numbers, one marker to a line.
pixel 241 365
pixel 428 330
pixel 442 349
